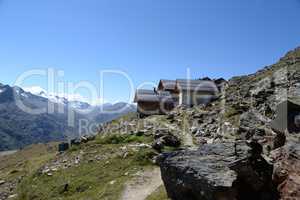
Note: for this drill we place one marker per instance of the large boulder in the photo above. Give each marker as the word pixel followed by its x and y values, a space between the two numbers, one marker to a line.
pixel 224 171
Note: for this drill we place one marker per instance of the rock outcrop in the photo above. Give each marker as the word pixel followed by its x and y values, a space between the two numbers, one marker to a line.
pixel 224 171
pixel 247 109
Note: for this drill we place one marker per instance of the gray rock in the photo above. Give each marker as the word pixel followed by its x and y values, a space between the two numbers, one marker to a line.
pixel 252 124
pixel 166 140
pixel 171 140
pixel 217 171
pixel 158 145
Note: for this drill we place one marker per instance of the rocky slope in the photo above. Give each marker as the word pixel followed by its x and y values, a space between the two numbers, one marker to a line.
pixel 243 112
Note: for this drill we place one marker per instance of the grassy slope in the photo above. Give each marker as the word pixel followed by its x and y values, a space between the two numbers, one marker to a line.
pixel 101 174
pixel 26 161
pixel 91 179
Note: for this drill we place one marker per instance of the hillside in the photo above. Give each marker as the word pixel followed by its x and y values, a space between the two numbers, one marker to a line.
pixel 125 159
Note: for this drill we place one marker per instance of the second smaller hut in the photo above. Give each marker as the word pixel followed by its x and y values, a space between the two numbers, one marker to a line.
pixel 151 102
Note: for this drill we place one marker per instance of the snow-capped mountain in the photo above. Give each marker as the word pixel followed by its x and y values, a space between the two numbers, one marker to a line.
pixel 76 101
pixel 19 128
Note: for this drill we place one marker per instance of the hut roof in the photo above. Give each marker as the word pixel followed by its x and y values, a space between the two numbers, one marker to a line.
pixel 167 84
pixel 152 96
pixel 196 85
pixel 286 114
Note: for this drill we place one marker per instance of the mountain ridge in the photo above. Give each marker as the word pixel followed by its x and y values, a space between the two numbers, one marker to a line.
pixel 19 128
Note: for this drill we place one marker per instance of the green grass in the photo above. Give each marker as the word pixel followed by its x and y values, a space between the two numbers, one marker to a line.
pixel 104 179
pixel 168 149
pixel 123 139
pixel 144 156
pixel 128 117
pixel 26 161
pixel 106 164
pixel 91 180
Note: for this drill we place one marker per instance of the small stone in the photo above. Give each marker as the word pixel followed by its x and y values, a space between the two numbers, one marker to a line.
pixel 158 145
pixel 77 160
pixel 2 182
pixel 112 182
pixel 125 155
pixel 227 123
pixel 54 169
pixel 124 148
pixel 12 196
pixel 210 141
pixel 45 171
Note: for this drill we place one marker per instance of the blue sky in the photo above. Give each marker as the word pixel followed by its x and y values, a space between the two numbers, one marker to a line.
pixel 147 39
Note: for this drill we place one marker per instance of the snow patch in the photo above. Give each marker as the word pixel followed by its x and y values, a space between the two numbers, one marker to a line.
pixel 24 95
pixel 64 98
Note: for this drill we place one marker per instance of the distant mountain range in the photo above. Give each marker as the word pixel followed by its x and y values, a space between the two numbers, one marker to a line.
pixel 19 128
